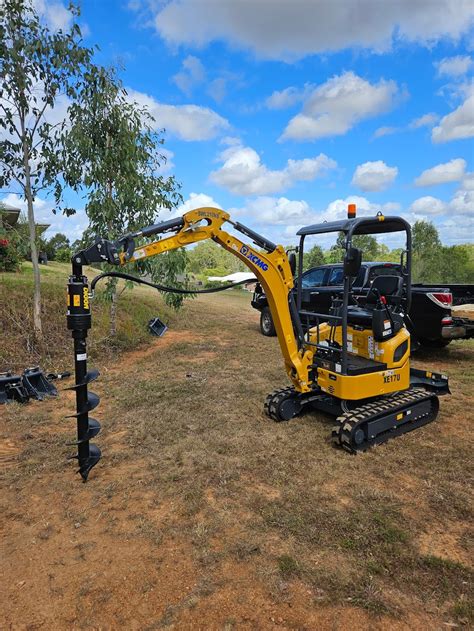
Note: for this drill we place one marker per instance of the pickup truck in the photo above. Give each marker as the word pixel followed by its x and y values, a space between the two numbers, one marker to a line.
pixel 429 320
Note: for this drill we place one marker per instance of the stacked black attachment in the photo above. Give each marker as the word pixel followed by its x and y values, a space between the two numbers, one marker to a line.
pixel 79 322
pixel 32 384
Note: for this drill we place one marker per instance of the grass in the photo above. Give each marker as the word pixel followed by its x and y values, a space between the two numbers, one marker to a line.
pixel 19 349
pixel 211 516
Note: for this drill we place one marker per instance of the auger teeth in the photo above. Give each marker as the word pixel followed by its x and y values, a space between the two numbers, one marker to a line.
pixel 94 429
pixel 91 375
pixel 91 461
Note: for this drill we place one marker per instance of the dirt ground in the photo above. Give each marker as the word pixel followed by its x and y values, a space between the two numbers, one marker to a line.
pixel 203 514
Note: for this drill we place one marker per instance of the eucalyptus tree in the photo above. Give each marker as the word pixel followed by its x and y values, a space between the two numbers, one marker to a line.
pixel 40 71
pixel 113 158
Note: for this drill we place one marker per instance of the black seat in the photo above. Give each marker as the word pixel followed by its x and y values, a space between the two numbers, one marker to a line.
pixel 388 286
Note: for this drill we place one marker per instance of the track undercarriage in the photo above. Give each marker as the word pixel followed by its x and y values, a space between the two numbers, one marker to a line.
pixel 363 424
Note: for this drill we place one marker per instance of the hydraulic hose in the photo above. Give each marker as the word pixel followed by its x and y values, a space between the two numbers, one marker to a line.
pixel 173 290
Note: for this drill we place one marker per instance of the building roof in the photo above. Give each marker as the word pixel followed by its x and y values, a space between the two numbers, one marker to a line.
pixel 10 216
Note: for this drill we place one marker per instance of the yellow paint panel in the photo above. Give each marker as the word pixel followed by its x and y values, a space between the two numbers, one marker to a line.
pixel 77 300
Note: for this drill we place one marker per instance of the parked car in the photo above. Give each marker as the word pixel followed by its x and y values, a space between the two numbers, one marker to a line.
pixel 429 320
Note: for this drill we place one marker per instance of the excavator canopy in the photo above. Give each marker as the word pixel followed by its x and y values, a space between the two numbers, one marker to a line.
pixel 361 225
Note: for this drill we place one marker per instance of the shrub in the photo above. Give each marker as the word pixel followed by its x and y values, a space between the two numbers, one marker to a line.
pixel 10 259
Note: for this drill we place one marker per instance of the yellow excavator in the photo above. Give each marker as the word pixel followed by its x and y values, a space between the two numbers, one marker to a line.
pixel 353 364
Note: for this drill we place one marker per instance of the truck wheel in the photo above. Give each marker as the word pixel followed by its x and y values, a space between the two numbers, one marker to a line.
pixel 266 323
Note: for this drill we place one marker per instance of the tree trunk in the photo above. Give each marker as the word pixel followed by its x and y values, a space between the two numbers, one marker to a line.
pixel 113 311
pixel 38 329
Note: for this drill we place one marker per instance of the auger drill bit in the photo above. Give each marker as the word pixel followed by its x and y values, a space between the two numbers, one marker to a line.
pixel 79 321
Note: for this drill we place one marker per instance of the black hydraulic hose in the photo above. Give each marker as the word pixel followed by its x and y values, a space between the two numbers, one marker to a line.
pixel 173 290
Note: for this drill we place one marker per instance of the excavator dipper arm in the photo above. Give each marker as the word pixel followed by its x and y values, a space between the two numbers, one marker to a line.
pixel 270 265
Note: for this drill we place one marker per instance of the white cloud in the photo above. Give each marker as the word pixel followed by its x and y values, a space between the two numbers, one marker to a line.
pixel 277 210
pixel 73 226
pixel 337 209
pixel 217 89
pixel 281 99
pixel 192 74
pixel 455 230
pixel 428 206
pixel 168 163
pixel 243 173
pixel 331 109
pixel 385 131
pixel 456 125
pixel 454 66
pixel 292 30
pixel 54 13
pixel 468 182
pixel 462 203
pixel 451 171
pixel 374 176
pixel 427 120
pixel 198 200
pixel 187 122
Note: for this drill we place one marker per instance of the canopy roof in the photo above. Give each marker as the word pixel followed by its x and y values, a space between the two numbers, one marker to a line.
pixel 359 225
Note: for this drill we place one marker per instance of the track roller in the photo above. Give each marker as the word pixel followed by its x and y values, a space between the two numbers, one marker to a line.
pixel 376 422
pixel 283 404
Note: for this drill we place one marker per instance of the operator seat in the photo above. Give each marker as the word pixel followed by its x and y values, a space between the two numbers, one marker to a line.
pixel 391 287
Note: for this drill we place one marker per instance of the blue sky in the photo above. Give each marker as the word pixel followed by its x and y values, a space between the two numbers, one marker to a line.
pixel 283 112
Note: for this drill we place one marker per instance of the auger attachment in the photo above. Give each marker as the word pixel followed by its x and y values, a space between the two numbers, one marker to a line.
pixel 79 321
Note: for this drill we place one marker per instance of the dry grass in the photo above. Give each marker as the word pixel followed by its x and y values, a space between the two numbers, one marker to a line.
pixel 204 514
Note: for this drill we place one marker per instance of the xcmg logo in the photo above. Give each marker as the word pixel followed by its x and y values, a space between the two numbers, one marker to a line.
pixel 247 252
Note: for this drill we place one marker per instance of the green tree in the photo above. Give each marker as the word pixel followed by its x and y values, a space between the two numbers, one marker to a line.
pixel 113 158
pixel 169 269
pixel 425 237
pixel 313 257
pixel 427 252
pixel 57 243
pixel 209 259
pixel 365 242
pixel 36 68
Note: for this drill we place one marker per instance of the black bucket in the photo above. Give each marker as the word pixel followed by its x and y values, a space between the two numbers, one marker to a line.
pixel 12 388
pixel 36 384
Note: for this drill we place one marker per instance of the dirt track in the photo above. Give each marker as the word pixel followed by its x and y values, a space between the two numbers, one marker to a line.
pixel 203 514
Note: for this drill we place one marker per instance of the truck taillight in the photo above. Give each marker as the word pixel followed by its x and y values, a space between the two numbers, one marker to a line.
pixel 444 300
pixel 448 321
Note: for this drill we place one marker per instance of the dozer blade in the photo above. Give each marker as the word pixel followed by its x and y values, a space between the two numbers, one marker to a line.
pixel 94 429
pixel 432 381
pixel 376 422
pixel 93 401
pixel 91 375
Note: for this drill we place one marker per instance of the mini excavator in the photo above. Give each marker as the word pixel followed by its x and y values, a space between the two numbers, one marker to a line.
pixel 353 364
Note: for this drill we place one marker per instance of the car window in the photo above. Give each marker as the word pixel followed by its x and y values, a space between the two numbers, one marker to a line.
pixel 313 278
pixel 336 277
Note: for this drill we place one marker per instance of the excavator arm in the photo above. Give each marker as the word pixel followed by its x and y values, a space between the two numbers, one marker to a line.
pixel 270 265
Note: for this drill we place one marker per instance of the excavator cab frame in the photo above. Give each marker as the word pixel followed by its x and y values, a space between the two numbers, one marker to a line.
pixel 351 227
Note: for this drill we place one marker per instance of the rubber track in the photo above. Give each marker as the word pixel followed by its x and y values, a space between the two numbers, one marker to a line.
pixel 273 401
pixel 343 432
